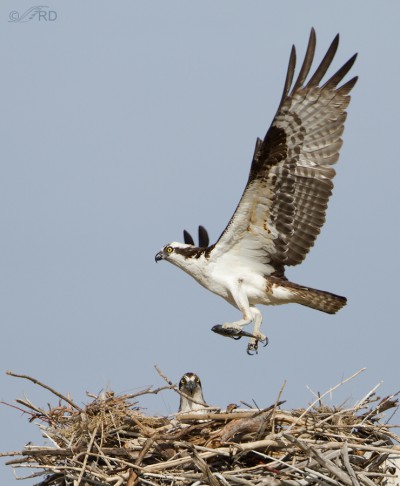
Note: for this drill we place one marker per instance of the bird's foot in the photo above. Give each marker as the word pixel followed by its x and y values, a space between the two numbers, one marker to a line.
pixel 234 332
pixel 252 347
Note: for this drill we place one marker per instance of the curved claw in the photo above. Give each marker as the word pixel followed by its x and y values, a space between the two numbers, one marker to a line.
pixel 252 350
pixel 252 347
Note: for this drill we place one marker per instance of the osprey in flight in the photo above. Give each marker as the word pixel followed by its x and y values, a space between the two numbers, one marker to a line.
pixel 283 206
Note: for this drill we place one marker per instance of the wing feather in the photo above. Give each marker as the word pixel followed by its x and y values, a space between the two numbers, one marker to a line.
pixel 187 238
pixel 203 237
pixel 283 206
pixel 325 63
pixel 289 75
pixel 308 59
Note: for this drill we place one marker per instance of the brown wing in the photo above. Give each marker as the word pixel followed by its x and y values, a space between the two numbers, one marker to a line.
pixel 283 206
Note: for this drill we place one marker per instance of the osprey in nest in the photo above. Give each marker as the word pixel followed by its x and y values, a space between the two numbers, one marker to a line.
pixel 190 385
pixel 283 205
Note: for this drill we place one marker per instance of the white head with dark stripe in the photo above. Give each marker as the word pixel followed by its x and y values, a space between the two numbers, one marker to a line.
pixel 182 254
pixel 190 385
pixel 177 253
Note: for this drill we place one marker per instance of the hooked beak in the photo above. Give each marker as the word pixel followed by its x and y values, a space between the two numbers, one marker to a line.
pixel 159 256
pixel 191 386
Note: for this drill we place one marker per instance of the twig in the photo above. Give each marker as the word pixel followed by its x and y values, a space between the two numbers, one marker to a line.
pixel 346 462
pixel 18 408
pixel 330 391
pixel 28 404
pixel 329 465
pixel 203 466
pixel 145 449
pixel 37 382
pixel 234 415
pixel 89 448
pixel 276 406
pixel 318 474
pixel 366 480
pixel 361 402
pixel 361 447
pixel 147 391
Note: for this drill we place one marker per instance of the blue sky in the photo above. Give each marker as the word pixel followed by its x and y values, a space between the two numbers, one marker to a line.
pixel 125 122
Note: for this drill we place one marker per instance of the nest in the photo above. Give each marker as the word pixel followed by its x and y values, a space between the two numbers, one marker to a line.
pixel 111 441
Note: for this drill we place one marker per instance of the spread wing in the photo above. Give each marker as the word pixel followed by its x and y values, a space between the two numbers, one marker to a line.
pixel 284 203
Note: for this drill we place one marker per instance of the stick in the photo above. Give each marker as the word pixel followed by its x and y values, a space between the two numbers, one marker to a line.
pixel 92 437
pixel 329 391
pixel 275 407
pixel 147 391
pixel 326 463
pixel 37 382
pixel 204 468
pixel 18 408
pixel 346 462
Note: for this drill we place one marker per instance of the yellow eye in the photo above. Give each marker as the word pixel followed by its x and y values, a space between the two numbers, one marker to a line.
pixel 169 249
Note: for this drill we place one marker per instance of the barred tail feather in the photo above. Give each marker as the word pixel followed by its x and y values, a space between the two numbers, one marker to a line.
pixel 320 300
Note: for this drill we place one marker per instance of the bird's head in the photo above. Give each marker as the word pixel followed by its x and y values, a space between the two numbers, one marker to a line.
pixel 186 255
pixel 179 254
pixel 190 384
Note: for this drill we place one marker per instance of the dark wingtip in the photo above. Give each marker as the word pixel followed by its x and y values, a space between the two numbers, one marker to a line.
pixel 308 59
pixel 187 238
pixel 325 63
pixel 289 75
pixel 204 240
pixel 340 74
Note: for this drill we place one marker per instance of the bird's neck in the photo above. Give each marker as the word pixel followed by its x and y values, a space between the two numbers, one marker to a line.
pixel 194 266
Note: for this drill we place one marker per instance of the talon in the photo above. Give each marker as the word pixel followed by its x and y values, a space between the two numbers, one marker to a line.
pixel 252 347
